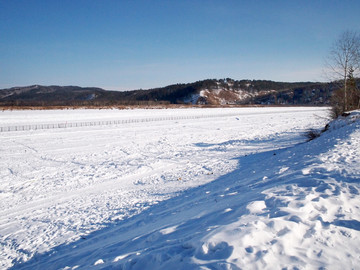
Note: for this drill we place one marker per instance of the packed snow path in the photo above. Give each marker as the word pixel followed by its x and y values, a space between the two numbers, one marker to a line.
pixel 59 186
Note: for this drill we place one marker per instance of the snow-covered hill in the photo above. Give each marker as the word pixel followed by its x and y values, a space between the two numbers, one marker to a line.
pixel 226 96
pixel 231 192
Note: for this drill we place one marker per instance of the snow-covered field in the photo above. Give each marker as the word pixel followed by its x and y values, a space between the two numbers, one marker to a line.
pixel 223 189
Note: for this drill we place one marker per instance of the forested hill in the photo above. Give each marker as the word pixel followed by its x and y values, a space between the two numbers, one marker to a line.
pixel 205 92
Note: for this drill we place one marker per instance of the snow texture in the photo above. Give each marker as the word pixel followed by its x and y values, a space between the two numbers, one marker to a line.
pixel 228 192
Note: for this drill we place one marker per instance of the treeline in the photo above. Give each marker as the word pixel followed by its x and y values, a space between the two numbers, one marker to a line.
pixel 300 93
pixel 179 93
pixel 313 94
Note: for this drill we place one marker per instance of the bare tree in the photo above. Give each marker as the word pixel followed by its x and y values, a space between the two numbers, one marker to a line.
pixel 344 61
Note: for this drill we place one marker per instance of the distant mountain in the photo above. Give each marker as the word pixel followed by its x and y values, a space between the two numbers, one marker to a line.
pixel 43 95
pixel 206 92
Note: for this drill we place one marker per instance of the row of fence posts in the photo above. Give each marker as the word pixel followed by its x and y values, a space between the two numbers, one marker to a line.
pixel 103 123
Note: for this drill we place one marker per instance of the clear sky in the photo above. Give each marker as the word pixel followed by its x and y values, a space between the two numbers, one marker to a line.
pixel 125 45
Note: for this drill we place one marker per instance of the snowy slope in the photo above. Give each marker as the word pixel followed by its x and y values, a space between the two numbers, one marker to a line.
pixel 121 196
pixel 223 96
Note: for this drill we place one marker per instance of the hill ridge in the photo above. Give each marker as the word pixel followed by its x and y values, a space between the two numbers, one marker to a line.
pixel 204 92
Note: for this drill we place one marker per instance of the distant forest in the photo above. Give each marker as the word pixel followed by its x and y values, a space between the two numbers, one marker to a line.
pixel 261 92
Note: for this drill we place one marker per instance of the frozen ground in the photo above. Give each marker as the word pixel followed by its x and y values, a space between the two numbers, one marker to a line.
pixel 232 191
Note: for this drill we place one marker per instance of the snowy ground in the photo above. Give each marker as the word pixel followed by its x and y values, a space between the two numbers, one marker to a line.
pixel 236 190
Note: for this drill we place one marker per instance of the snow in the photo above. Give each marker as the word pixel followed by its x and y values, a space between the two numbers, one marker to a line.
pixel 226 96
pixel 239 189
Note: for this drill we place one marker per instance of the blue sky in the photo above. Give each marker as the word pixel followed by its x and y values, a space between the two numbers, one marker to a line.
pixel 125 45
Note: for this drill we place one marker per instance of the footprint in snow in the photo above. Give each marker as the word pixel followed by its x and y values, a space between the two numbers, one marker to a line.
pixel 214 251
